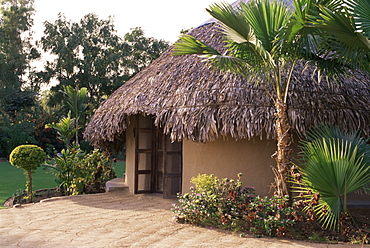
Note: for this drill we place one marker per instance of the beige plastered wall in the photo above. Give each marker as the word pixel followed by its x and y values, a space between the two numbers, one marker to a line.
pixel 130 155
pixel 227 158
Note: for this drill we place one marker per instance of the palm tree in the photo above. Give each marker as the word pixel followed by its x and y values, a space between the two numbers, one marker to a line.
pixel 335 164
pixel 66 128
pixel 265 39
pixel 76 102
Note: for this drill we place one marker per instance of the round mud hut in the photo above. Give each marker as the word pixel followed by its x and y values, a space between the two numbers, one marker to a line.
pixel 179 118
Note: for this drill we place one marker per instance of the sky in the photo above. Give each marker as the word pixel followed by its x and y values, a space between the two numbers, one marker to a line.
pixel 160 19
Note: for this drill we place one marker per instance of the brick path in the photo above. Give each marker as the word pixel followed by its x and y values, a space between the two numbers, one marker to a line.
pixel 115 220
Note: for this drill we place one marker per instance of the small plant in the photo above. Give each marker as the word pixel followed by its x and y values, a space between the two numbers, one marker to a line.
pixel 64 167
pixel 205 182
pixel 28 158
pixel 100 170
pixel 65 128
pixel 315 237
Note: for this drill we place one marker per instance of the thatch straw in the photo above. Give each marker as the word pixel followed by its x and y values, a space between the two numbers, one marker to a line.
pixel 189 100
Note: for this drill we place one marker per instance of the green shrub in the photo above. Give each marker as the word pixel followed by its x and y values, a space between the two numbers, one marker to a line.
pixel 27 128
pixel 65 167
pixel 16 134
pixel 28 158
pixel 100 170
pixel 205 182
pixel 78 172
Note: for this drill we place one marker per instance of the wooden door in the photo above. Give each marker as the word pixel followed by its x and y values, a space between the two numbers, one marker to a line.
pixel 172 166
pixel 158 161
pixel 144 155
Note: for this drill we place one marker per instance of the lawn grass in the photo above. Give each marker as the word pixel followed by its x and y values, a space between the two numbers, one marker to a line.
pixel 119 168
pixel 12 179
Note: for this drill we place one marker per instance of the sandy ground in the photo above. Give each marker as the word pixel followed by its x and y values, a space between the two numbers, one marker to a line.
pixel 116 220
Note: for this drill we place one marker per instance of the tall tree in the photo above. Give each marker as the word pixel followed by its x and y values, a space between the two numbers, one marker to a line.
pixel 265 39
pixel 16 53
pixel 142 50
pixel 90 54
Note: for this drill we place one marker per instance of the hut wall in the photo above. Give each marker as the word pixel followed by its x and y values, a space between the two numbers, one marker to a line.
pixel 130 155
pixel 226 158
pixel 223 158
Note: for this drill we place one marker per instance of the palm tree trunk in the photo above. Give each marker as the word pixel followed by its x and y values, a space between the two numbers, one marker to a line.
pixel 282 155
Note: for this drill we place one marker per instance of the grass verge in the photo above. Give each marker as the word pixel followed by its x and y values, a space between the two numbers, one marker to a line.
pixel 12 179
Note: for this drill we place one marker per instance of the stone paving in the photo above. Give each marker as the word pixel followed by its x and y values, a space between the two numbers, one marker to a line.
pixel 116 220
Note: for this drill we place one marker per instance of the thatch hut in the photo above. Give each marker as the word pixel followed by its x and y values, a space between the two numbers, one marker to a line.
pixel 181 118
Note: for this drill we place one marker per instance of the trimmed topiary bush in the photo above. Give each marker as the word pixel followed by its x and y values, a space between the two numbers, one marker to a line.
pixel 28 158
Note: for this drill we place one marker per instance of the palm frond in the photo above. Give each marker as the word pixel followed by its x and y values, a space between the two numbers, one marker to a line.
pixel 253 54
pixel 235 26
pixel 230 63
pixel 267 18
pixel 342 40
pixel 190 45
pixel 66 128
pixel 240 29
pixel 299 18
pixel 326 214
pixel 361 11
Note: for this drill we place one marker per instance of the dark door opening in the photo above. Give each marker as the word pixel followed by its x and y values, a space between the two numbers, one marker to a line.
pixel 158 161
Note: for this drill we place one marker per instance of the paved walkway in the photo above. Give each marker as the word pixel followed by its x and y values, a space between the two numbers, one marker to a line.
pixel 115 220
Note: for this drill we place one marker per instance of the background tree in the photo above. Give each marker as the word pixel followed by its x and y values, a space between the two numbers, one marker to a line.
pixel 90 54
pixel 142 50
pixel 16 54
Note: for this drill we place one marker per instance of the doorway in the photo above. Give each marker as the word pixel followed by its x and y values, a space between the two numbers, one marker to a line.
pixel 158 161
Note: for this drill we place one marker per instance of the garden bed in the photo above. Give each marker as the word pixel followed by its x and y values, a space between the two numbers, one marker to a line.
pixel 38 196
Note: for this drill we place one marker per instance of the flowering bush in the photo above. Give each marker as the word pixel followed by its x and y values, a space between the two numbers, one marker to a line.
pixel 226 204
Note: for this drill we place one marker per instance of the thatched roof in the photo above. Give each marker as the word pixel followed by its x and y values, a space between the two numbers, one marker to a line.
pixel 190 100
